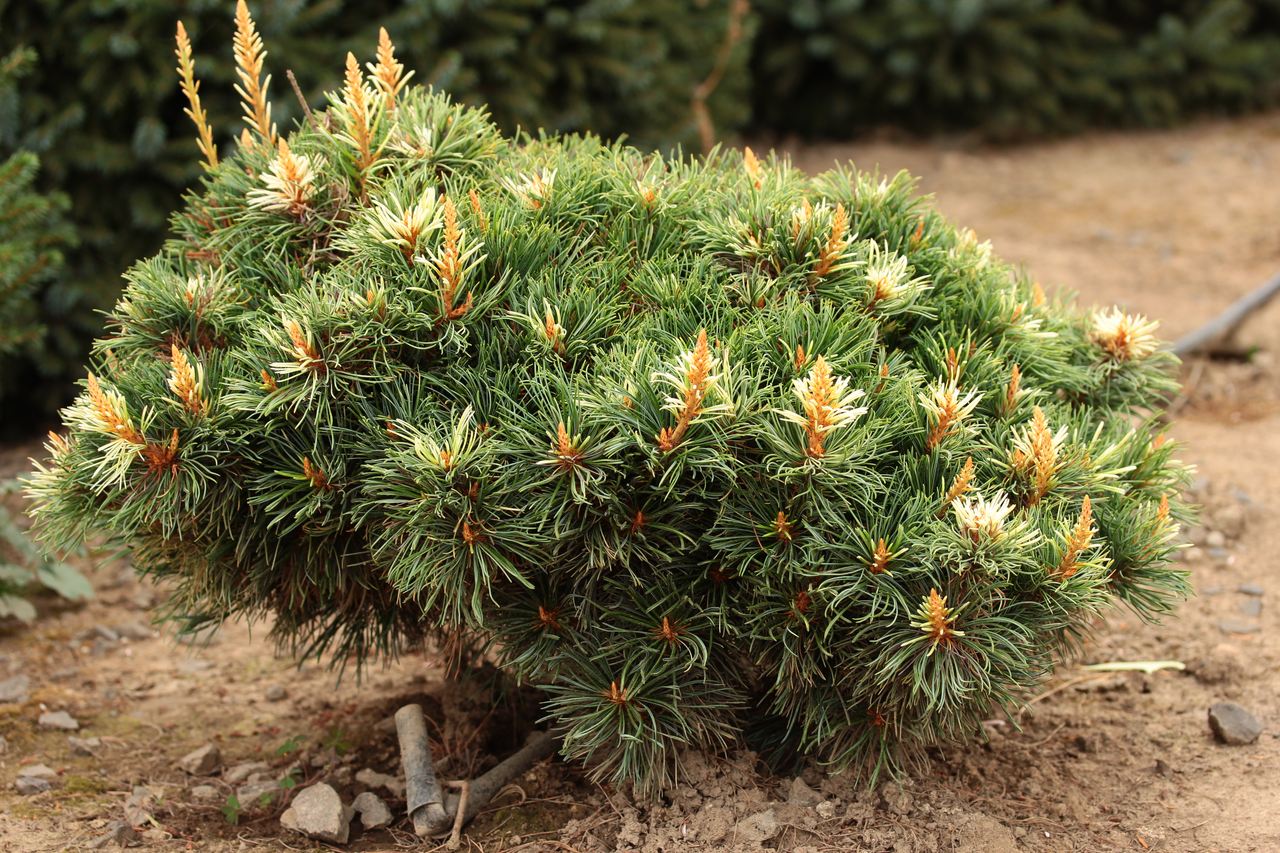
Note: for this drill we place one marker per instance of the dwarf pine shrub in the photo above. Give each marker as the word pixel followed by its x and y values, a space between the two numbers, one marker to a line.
pixel 689 443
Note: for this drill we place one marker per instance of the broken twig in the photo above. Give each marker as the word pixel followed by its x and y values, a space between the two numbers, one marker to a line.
pixel 297 91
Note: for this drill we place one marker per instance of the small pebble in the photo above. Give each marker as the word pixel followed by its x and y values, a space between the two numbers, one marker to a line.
pixel 1216 539
pixel 1253 589
pixel 38 771
pixel 15 689
pixel 257 792
pixel 83 745
pixel 318 812
pixel 371 778
pixel 276 693
pixel 35 779
pixel 58 720
pixel 1250 607
pixel 239 773
pixel 97 632
pixel 134 631
pixel 204 792
pixel 373 812
pixel 1232 724
pixel 1234 626
pixel 204 761
pixel 120 833
pixel 29 785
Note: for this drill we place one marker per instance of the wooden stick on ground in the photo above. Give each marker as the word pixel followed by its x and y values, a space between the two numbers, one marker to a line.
pixel 1218 331
pixel 434 815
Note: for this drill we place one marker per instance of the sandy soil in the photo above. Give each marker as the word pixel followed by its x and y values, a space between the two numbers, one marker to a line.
pixel 1175 225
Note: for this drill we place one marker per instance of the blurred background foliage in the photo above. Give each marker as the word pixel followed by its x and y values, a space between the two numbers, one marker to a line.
pixel 1010 68
pixel 88 87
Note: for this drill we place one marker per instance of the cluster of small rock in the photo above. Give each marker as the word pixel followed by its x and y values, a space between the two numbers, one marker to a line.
pixel 317 811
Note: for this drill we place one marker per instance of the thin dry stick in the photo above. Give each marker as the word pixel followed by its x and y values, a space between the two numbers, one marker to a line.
pixel 464 796
pixel 738 10
pixel 297 90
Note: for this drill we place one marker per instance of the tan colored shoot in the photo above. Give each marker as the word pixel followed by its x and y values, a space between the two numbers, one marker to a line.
pixel 1077 542
pixel 697 377
pixel 837 242
pixel 252 88
pixel 448 265
pixel 388 74
pixel 186 381
pixel 937 620
pixel 194 109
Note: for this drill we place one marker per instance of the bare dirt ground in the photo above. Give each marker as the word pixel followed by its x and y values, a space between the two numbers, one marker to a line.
pixel 1174 225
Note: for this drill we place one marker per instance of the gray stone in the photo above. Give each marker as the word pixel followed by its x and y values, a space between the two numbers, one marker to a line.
pixel 204 761
pixel 120 833
pixel 204 792
pixel 237 774
pixel 318 812
pixel 373 779
pixel 83 745
pixel 16 689
pixel 135 631
pixel 1235 626
pixel 373 812
pixel 1254 589
pixel 756 828
pixel 38 771
pixel 35 779
pixel 28 785
pixel 276 693
pixel 1232 724
pixel 58 720
pixel 252 793
pixel 1250 607
pixel 97 632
